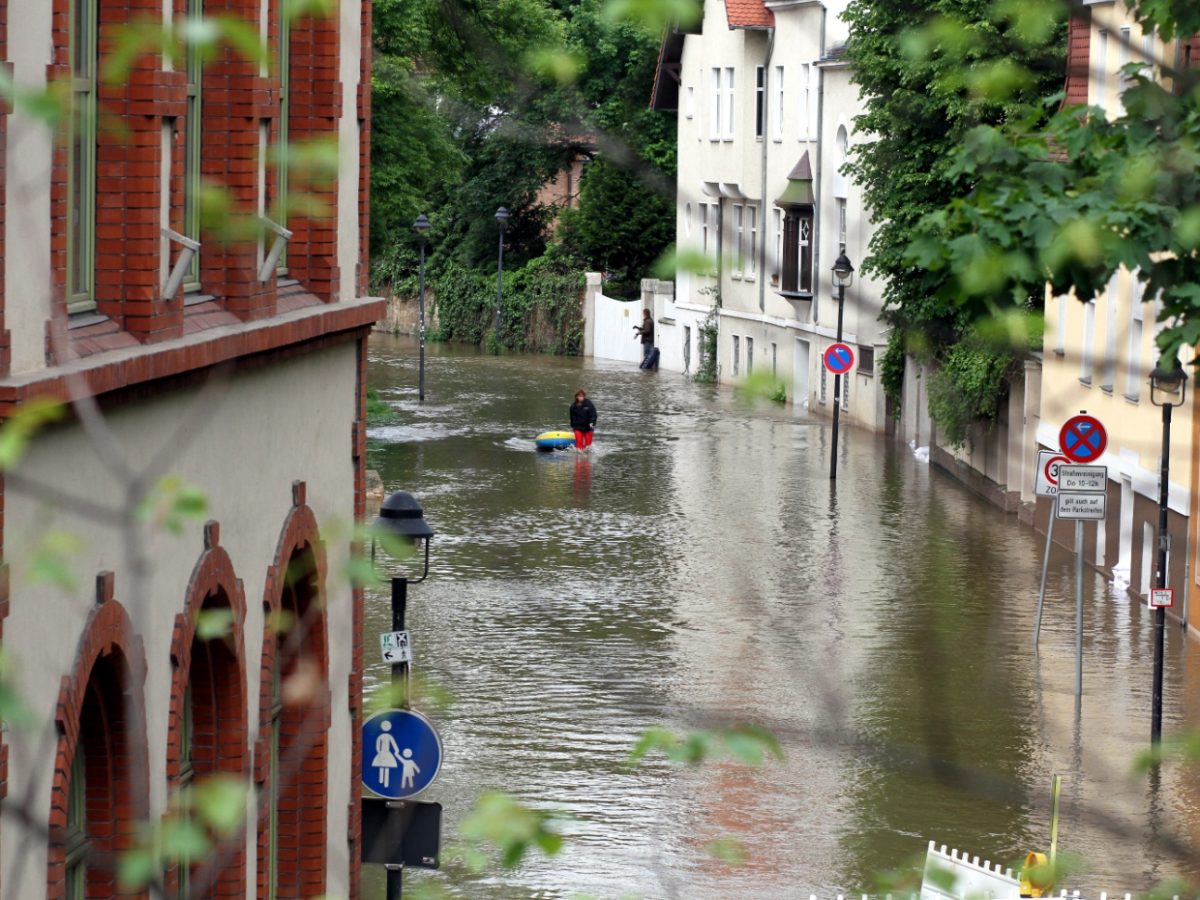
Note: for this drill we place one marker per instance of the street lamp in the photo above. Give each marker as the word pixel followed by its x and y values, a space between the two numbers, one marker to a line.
pixel 421 226
pixel 401 516
pixel 843 275
pixel 1168 387
pixel 502 221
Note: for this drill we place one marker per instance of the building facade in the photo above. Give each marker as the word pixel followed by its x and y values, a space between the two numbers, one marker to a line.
pixel 765 110
pixel 1099 352
pixel 198 355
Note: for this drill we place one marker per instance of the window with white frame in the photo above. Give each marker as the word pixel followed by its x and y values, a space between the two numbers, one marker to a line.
pixel 689 101
pixel 1086 357
pixel 796 275
pixel 777 239
pixel 687 219
pixel 1108 366
pixel 752 240
pixel 804 93
pixel 739 240
pixel 1123 47
pixel 714 121
pixel 760 99
pixel 774 358
pixel 777 129
pixel 1060 326
pixel 737 349
pixel 842 224
pixel 1133 377
pixel 705 237
pixel 1148 52
pixel 729 105
pixel 749 355
pixel 1101 69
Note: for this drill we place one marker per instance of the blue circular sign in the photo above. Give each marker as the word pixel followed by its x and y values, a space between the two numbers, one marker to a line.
pixel 401 753
pixel 839 358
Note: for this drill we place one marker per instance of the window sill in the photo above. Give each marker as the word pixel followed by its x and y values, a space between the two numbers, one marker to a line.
pixel 1060 351
pixel 1133 398
pixel 794 295
pixel 1107 388
pixel 1085 381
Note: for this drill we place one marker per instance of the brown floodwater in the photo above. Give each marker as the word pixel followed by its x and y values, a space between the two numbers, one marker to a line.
pixel 698 570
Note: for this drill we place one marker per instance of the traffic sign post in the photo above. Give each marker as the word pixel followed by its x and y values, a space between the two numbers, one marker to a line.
pixel 1045 482
pixel 401 754
pixel 395 647
pixel 839 359
pixel 1162 598
pixel 1082 438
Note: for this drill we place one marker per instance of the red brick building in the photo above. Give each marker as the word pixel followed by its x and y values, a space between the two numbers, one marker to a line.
pixel 225 352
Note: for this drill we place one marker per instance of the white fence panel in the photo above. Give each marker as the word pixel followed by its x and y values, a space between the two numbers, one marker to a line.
pixel 614 335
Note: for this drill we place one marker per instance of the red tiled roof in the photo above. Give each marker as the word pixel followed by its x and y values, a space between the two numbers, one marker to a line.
pixel 748 14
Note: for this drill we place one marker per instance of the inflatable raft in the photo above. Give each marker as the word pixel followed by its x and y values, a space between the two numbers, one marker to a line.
pixel 555 440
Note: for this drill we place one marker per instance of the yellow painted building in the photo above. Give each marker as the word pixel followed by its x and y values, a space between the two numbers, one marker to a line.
pixel 1099 351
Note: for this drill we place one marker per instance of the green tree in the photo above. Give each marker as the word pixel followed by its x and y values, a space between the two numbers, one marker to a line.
pixel 1068 200
pixel 929 74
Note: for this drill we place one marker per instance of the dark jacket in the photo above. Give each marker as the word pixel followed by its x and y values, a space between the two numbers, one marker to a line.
pixel 646 329
pixel 583 415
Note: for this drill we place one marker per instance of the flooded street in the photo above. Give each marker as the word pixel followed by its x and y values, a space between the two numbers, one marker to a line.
pixel 699 570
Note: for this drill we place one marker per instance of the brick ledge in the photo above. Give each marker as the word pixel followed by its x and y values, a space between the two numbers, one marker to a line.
pixel 128 367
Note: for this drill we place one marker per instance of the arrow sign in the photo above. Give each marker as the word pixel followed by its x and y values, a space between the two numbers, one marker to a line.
pixel 1083 439
pixel 395 647
pixel 839 358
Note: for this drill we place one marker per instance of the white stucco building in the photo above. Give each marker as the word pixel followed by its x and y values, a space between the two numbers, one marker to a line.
pixel 765 108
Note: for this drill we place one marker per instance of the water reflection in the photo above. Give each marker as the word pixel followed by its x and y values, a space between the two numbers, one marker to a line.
pixel 697 568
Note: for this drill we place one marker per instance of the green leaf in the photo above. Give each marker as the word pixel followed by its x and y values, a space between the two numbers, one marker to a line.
pixel 220 801
pixel 29 418
pixel 214 624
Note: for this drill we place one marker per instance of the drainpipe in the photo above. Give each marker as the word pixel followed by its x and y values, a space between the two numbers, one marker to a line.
pixel 817 184
pixel 762 224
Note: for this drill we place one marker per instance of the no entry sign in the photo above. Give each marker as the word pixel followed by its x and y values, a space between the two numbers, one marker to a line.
pixel 839 358
pixel 1082 439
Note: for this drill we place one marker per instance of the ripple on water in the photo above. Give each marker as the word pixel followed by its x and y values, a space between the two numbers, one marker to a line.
pixel 699 569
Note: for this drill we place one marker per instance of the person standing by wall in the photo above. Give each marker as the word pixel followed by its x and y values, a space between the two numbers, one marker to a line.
pixel 646 330
pixel 583 420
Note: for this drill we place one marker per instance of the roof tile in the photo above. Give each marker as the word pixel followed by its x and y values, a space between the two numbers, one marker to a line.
pixel 748 14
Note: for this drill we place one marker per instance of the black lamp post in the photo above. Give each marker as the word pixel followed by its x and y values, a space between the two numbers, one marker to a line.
pixel 402 515
pixel 843 275
pixel 502 221
pixel 1168 387
pixel 421 226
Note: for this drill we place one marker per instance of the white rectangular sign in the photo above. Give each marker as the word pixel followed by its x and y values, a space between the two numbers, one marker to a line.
pixel 395 647
pixel 1162 598
pixel 1072 477
pixel 1080 506
pixel 1042 484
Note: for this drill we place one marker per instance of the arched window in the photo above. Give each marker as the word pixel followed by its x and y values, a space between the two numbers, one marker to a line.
pixel 295 722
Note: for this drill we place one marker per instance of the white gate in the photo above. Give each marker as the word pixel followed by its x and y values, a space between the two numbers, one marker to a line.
pixel 614 334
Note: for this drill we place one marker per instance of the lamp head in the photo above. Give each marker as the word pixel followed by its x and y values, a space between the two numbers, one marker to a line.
pixel 502 216
pixel 402 515
pixel 421 225
pixel 843 271
pixel 1168 383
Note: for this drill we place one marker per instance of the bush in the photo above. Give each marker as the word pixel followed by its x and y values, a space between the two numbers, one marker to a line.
pixel 968 386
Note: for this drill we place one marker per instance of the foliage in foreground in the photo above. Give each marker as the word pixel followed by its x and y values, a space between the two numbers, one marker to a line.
pixel 929 74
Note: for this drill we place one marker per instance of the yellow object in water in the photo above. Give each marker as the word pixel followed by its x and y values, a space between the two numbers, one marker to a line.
pixel 1037 877
pixel 555 440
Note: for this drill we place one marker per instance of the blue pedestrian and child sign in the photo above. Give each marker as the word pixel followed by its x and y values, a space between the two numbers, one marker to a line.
pixel 401 754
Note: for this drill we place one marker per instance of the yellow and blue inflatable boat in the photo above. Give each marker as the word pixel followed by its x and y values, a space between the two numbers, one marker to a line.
pixel 555 440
